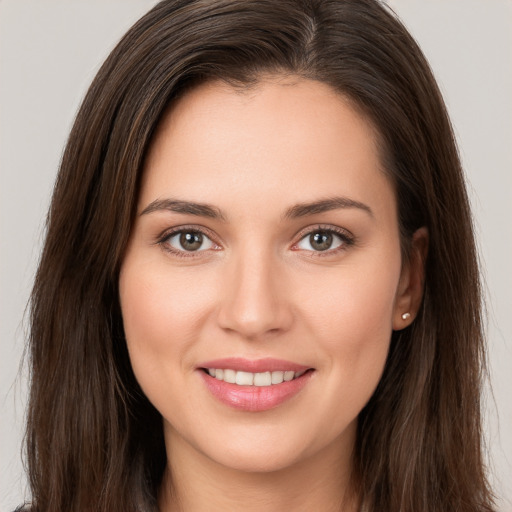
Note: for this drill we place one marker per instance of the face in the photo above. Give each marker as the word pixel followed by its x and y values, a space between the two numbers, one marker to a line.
pixel 266 248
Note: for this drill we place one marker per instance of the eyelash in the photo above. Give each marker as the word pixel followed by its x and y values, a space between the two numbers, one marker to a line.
pixel 165 237
pixel 347 240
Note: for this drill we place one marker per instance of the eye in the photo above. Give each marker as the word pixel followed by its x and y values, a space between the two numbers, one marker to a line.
pixel 188 241
pixel 322 240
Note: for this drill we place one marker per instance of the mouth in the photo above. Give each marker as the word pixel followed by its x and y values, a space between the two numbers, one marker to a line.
pixel 260 379
pixel 254 386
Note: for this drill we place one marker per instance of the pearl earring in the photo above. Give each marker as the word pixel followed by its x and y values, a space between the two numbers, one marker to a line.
pixel 406 316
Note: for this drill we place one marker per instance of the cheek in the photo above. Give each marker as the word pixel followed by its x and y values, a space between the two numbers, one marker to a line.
pixel 156 303
pixel 352 318
pixel 162 314
pixel 356 304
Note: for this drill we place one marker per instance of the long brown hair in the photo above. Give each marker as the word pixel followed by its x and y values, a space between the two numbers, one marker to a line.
pixel 94 442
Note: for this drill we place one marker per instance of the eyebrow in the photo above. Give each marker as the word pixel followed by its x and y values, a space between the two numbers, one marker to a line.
pixel 296 211
pixel 188 207
pixel 325 205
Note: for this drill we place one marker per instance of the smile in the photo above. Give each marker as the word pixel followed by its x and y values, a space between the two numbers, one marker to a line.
pixel 241 378
pixel 254 386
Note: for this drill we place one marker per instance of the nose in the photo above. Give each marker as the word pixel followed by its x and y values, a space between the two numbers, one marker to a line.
pixel 255 300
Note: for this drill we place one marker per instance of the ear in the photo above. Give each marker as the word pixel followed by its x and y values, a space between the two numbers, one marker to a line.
pixel 411 284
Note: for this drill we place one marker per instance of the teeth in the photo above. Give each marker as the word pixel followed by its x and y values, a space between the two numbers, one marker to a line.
pixel 253 379
pixel 288 376
pixel 244 378
pixel 230 376
pixel 277 377
pixel 262 379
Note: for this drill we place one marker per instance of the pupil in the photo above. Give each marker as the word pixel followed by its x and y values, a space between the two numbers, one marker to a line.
pixel 321 241
pixel 191 241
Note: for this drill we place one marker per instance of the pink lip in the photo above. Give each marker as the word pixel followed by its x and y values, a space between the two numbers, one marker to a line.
pixel 254 398
pixel 254 366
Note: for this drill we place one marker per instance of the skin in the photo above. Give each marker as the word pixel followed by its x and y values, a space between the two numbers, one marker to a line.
pixel 260 289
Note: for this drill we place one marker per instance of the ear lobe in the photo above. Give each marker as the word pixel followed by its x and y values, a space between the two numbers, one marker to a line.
pixel 410 287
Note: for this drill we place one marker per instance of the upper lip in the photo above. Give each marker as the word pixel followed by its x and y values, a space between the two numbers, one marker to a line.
pixel 267 364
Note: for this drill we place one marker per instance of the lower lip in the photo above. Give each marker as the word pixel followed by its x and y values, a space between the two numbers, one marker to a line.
pixel 254 398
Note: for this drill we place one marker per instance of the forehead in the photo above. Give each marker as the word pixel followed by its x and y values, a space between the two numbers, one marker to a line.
pixel 297 137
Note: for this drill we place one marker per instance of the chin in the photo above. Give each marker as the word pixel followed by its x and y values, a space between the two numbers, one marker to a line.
pixel 275 448
pixel 257 460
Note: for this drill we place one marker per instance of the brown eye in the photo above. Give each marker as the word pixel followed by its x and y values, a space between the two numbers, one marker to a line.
pixel 188 241
pixel 191 241
pixel 321 240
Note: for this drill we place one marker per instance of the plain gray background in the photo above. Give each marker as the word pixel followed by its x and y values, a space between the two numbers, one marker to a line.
pixel 49 52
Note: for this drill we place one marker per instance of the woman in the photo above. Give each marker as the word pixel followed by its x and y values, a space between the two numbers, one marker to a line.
pixel 250 292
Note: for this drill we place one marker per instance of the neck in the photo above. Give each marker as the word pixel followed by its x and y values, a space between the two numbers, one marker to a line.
pixel 193 481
